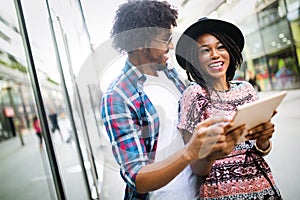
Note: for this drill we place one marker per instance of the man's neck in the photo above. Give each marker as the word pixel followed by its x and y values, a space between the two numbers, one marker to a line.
pixel 142 64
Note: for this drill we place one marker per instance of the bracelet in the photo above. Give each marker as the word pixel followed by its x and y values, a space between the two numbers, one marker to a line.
pixel 264 152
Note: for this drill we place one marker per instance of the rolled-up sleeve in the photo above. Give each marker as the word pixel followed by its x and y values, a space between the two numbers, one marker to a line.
pixel 124 129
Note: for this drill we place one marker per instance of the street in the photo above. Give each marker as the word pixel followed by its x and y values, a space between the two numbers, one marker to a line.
pixel 284 159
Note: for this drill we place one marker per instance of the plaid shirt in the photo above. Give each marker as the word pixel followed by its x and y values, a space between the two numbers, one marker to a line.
pixel 132 124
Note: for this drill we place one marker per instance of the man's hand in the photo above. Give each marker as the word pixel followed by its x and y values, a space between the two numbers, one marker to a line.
pixel 210 139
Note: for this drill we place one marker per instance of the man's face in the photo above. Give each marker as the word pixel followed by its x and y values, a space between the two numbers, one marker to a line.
pixel 159 49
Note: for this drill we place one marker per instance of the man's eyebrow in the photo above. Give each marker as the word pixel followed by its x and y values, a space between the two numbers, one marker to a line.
pixel 169 33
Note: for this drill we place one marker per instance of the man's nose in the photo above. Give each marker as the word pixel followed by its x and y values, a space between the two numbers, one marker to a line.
pixel 171 45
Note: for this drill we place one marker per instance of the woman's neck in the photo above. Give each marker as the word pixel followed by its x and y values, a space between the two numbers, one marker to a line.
pixel 221 86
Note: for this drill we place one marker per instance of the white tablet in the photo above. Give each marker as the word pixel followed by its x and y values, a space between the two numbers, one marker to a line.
pixel 257 112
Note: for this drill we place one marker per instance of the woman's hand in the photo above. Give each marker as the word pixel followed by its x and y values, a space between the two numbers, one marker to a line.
pixel 262 134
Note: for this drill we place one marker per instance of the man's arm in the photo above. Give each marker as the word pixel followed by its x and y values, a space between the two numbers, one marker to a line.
pixel 213 149
pixel 210 131
pixel 129 149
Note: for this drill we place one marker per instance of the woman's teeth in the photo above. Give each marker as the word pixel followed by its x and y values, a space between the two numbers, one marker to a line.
pixel 214 65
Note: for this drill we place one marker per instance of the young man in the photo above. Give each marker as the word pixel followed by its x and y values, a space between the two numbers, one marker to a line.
pixel 154 163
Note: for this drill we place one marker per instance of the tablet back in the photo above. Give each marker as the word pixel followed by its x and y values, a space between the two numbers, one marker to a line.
pixel 257 112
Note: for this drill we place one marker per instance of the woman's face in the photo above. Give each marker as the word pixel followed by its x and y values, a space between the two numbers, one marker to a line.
pixel 213 57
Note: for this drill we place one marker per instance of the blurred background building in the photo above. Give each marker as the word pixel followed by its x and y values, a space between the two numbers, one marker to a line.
pixel 271 29
pixel 17 101
pixel 70 45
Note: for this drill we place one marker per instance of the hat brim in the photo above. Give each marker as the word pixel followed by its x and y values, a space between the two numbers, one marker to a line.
pixel 201 27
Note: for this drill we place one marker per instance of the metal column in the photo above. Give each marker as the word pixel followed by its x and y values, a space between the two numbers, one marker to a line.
pixel 40 105
pixel 68 102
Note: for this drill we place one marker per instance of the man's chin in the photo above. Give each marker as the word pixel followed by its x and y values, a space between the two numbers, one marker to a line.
pixel 161 67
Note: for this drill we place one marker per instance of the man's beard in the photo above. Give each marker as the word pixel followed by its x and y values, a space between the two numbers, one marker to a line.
pixel 157 63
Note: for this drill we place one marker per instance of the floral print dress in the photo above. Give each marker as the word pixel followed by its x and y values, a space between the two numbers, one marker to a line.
pixel 243 174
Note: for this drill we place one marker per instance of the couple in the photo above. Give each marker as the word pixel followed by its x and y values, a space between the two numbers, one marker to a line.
pixel 171 151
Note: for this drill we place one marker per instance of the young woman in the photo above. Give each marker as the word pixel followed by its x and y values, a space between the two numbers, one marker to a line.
pixel 210 52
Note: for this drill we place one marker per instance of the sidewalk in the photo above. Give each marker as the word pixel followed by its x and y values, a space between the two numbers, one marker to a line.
pixel 24 170
pixel 21 171
pixel 284 159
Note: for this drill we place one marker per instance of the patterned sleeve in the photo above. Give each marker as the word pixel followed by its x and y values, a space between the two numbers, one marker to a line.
pixel 192 106
pixel 124 134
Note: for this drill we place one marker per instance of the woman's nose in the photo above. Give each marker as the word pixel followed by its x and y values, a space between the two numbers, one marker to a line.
pixel 215 53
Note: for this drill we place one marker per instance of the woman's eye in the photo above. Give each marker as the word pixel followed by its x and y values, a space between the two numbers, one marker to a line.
pixel 221 47
pixel 202 50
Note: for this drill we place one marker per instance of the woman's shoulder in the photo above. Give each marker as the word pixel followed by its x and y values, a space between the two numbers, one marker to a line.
pixel 243 88
pixel 238 84
pixel 194 89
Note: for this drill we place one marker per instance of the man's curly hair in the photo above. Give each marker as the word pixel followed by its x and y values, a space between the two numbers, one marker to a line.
pixel 137 22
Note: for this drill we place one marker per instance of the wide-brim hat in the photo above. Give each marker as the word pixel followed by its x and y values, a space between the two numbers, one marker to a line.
pixel 202 26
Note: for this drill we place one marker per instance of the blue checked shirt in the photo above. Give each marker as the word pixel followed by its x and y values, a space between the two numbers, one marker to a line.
pixel 132 124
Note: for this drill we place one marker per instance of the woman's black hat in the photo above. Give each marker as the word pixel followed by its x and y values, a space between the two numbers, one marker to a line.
pixel 202 26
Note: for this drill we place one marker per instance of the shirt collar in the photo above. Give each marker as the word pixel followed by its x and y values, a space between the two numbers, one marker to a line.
pixel 133 73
